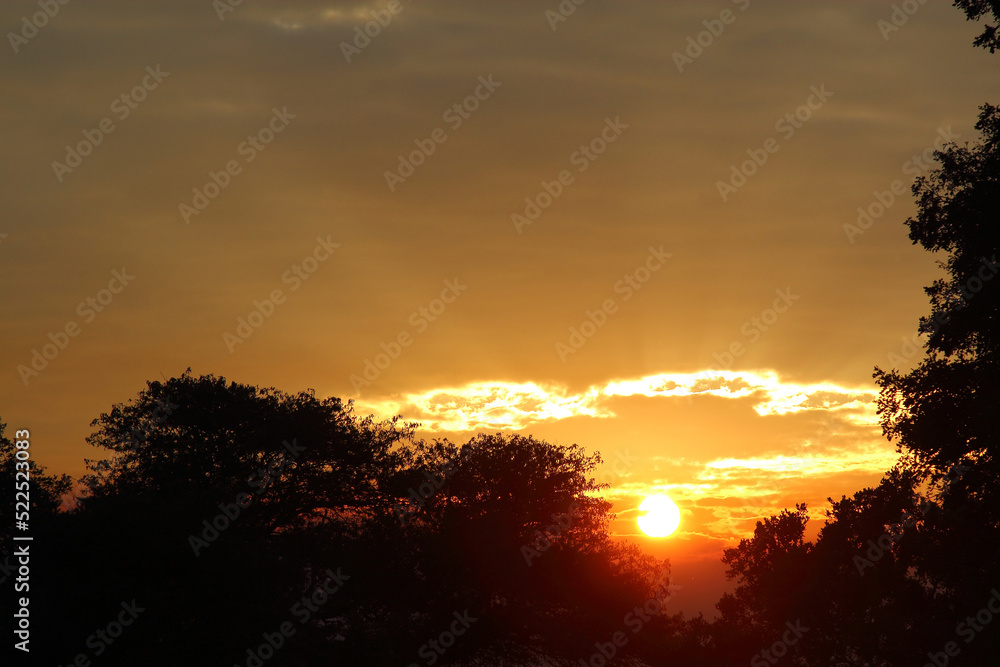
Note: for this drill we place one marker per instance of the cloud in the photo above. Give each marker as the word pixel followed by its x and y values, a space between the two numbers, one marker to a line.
pixel 301 18
pixel 726 497
pixel 812 465
pixel 774 396
pixel 833 434
pixel 491 405
pixel 514 406
pixel 721 497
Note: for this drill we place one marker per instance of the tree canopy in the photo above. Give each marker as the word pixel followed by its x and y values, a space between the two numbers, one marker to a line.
pixel 219 505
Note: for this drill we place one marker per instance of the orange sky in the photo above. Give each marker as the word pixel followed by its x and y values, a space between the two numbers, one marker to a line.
pixel 251 167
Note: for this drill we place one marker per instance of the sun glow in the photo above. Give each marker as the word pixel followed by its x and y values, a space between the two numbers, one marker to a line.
pixel 661 518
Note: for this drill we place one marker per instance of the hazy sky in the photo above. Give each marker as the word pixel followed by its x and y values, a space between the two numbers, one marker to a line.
pixel 376 195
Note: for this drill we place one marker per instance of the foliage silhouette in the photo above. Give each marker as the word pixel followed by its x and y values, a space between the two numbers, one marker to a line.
pixel 977 9
pixel 221 505
pixel 898 570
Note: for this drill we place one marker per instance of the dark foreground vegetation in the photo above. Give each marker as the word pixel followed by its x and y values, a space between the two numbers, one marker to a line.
pixel 226 524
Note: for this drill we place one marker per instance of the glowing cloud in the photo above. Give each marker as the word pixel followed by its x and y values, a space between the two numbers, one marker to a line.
pixel 806 465
pixel 724 496
pixel 491 405
pixel 507 405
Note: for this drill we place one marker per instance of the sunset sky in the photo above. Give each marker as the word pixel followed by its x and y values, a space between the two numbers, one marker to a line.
pixel 540 224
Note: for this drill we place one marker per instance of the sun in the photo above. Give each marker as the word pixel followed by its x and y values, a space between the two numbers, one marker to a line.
pixel 661 517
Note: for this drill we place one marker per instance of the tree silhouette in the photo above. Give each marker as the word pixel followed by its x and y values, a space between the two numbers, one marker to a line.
pixel 46 494
pixel 863 607
pixel 916 556
pixel 943 414
pixel 770 574
pixel 975 10
pixel 222 505
pixel 514 532
pixel 300 459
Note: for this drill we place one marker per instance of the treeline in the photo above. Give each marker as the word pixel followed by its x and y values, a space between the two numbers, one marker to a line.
pixel 226 524
pixel 235 525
